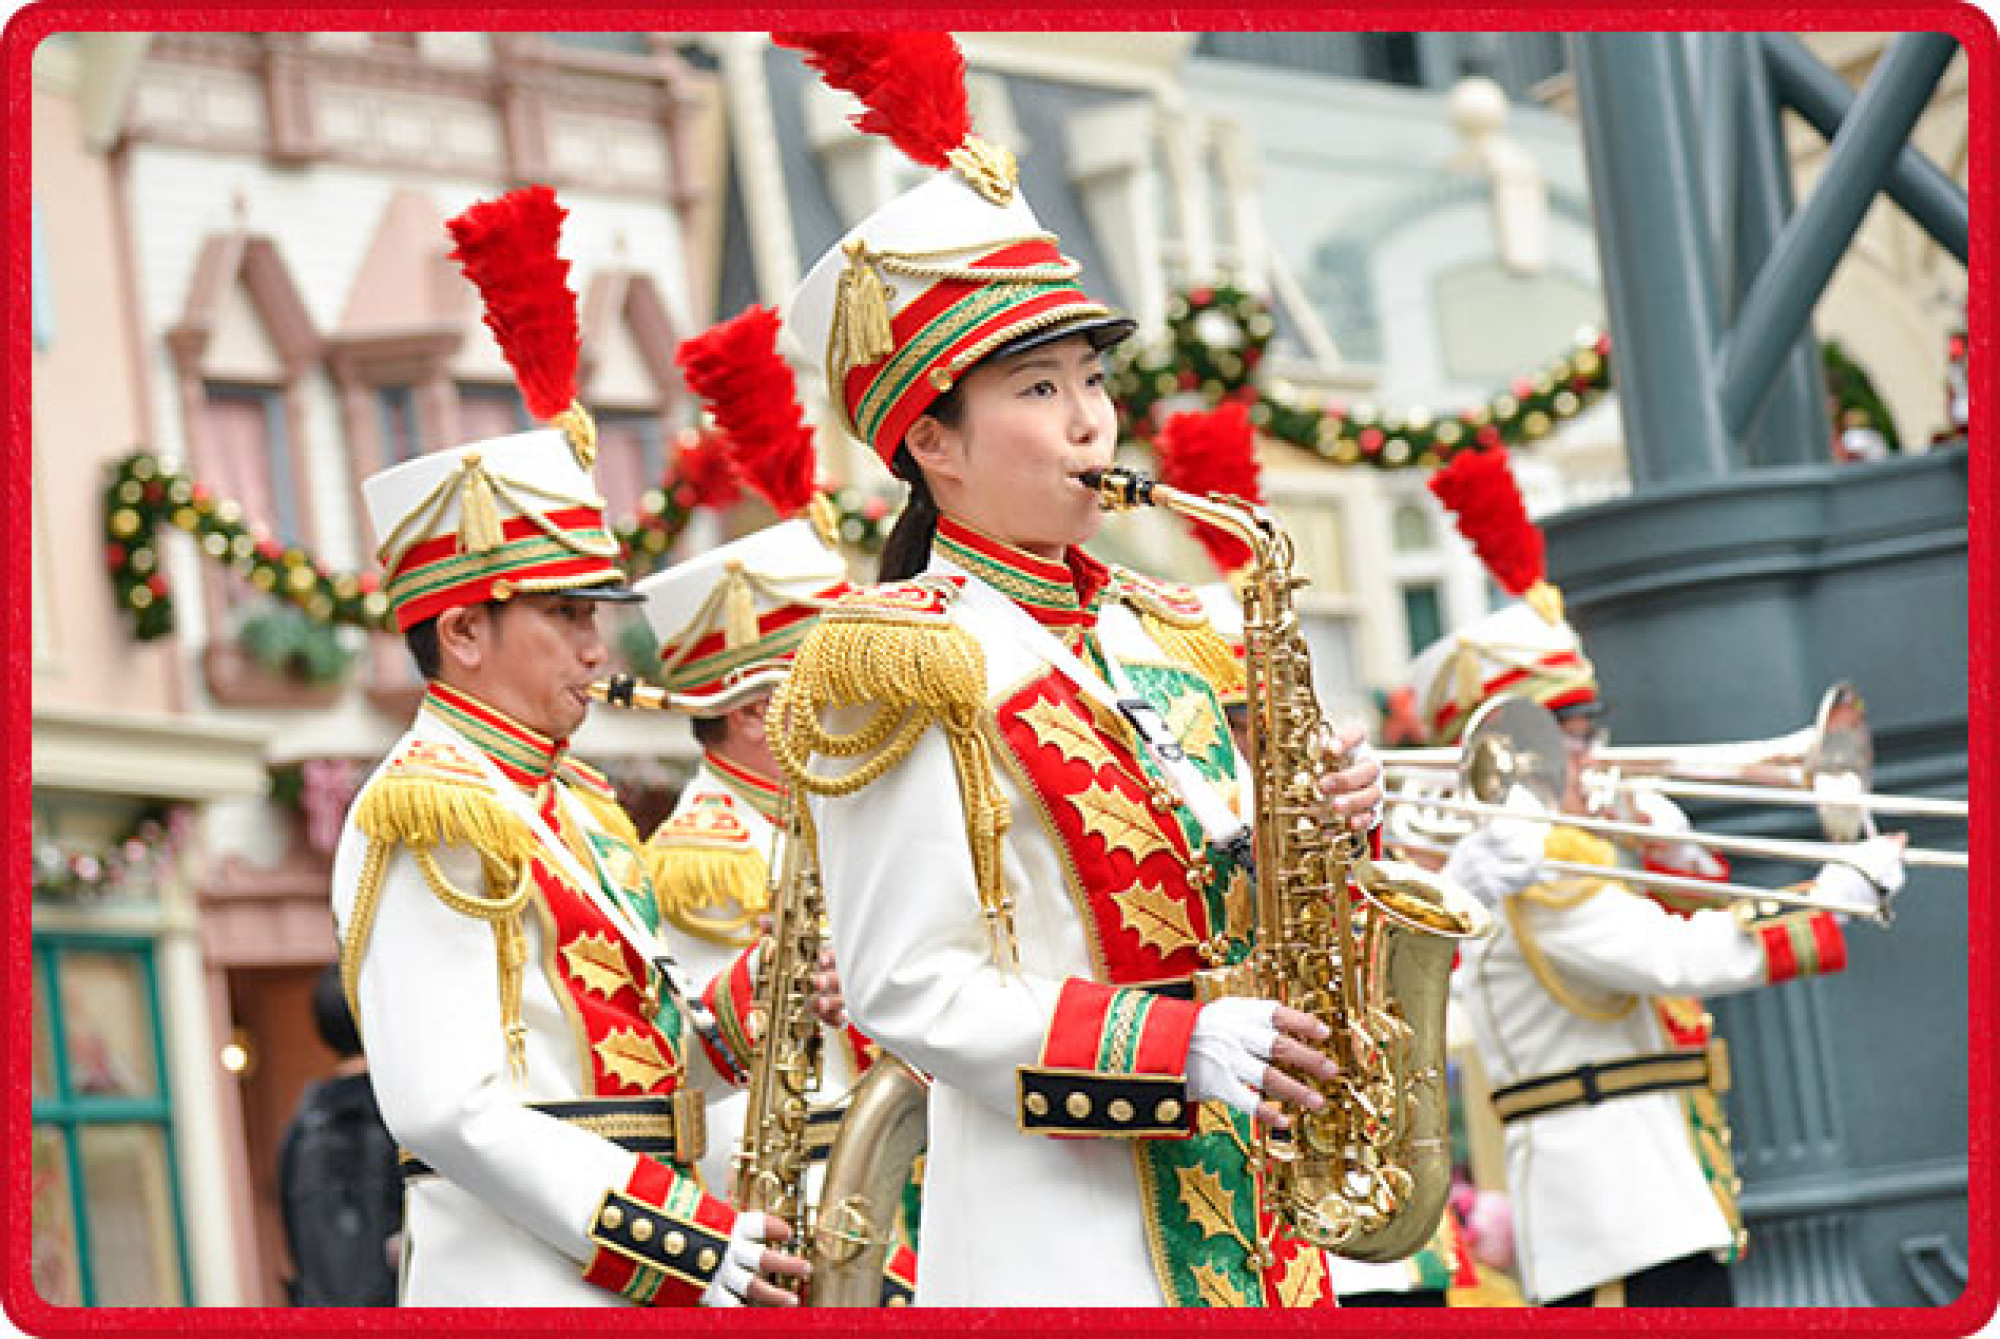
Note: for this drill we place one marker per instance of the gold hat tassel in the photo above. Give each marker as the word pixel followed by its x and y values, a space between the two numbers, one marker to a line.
pixel 862 333
pixel 478 514
pixel 739 609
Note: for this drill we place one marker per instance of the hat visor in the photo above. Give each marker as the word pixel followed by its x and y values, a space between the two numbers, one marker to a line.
pixel 612 592
pixel 1101 331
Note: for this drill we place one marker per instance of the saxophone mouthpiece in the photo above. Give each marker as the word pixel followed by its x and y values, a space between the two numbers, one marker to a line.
pixel 620 690
pixel 1118 488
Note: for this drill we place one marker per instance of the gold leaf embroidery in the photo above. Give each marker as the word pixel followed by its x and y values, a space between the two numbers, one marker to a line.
pixel 632 1058
pixel 1194 725
pixel 1207 1203
pixel 1239 912
pixel 596 964
pixel 1217 1288
pixel 1056 726
pixel 1124 823
pixel 1304 1278
pixel 1159 919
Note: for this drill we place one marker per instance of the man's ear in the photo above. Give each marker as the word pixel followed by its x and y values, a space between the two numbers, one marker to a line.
pixel 747 721
pixel 932 446
pixel 463 634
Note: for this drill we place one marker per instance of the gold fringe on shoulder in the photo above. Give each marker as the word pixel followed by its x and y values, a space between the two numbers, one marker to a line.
pixel 689 875
pixel 913 672
pixel 610 815
pixel 423 813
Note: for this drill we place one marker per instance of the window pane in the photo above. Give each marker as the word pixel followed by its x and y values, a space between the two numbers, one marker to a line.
pixel 128 1207
pixel 107 1021
pixel 52 1216
pixel 1423 616
pixel 398 412
pixel 45 1042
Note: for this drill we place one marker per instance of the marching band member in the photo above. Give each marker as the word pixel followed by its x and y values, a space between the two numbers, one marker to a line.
pixel 530 1042
pixel 1585 1004
pixel 1019 895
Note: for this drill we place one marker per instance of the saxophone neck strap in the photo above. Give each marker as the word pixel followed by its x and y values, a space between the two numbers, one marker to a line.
pixel 1220 825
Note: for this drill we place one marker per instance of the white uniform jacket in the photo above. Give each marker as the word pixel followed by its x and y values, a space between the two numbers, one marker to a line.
pixel 1585 971
pixel 516 1212
pixel 1031 1195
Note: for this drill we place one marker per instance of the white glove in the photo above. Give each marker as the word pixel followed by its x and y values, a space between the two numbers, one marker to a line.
pixel 1229 1052
pixel 739 1263
pixel 1872 885
pixel 1494 862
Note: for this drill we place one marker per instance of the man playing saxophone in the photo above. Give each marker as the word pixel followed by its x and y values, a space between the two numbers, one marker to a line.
pixel 1019 890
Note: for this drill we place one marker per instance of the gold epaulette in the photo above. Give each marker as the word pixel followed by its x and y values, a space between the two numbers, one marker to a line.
pixel 895 652
pixel 427 796
pixel 1174 616
pixel 705 857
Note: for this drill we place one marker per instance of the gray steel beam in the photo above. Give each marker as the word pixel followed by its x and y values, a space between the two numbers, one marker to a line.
pixel 1793 428
pixel 1873 133
pixel 1652 234
pixel 1932 199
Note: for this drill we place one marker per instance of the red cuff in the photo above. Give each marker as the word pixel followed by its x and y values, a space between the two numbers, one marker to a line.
pixel 660 1239
pixel 1114 1063
pixel 1802 943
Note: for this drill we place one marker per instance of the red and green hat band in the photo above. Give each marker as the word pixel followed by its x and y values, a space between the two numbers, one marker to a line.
pixel 713 664
pixel 434 575
pixel 949 318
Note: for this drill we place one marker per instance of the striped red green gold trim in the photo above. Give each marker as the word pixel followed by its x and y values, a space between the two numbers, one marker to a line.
pixel 1059 595
pixel 952 316
pixel 1802 943
pixel 764 794
pixel 525 757
pixel 730 998
pixel 712 663
pixel 1560 679
pixel 433 576
pixel 1112 1030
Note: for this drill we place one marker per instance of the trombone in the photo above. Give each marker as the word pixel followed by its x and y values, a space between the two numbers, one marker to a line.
pixel 1512 742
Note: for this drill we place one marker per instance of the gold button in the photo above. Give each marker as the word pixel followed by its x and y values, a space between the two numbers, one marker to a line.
pixel 1037 1105
pixel 1167 1112
pixel 1121 1110
pixel 899 1300
pixel 705 1262
pixel 612 1216
pixel 1078 1105
pixel 642 1229
pixel 940 380
pixel 503 589
pixel 674 1243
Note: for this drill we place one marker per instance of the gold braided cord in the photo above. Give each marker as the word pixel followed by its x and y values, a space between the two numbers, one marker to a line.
pixel 914 674
pixel 360 922
pixel 510 943
pixel 1558 989
pixel 972 353
pixel 479 516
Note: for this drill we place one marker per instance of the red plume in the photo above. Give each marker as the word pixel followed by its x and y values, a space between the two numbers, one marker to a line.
pixel 912 84
pixel 507 248
pixel 703 467
pixel 1213 452
pixel 736 368
pixel 1480 489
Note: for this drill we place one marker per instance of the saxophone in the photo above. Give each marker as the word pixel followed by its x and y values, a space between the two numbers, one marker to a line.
pixel 1363 945
pixel 775 1153
pixel 847 1227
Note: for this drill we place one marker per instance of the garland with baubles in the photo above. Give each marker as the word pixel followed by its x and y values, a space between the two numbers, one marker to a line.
pixel 1219 334
pixel 144 495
